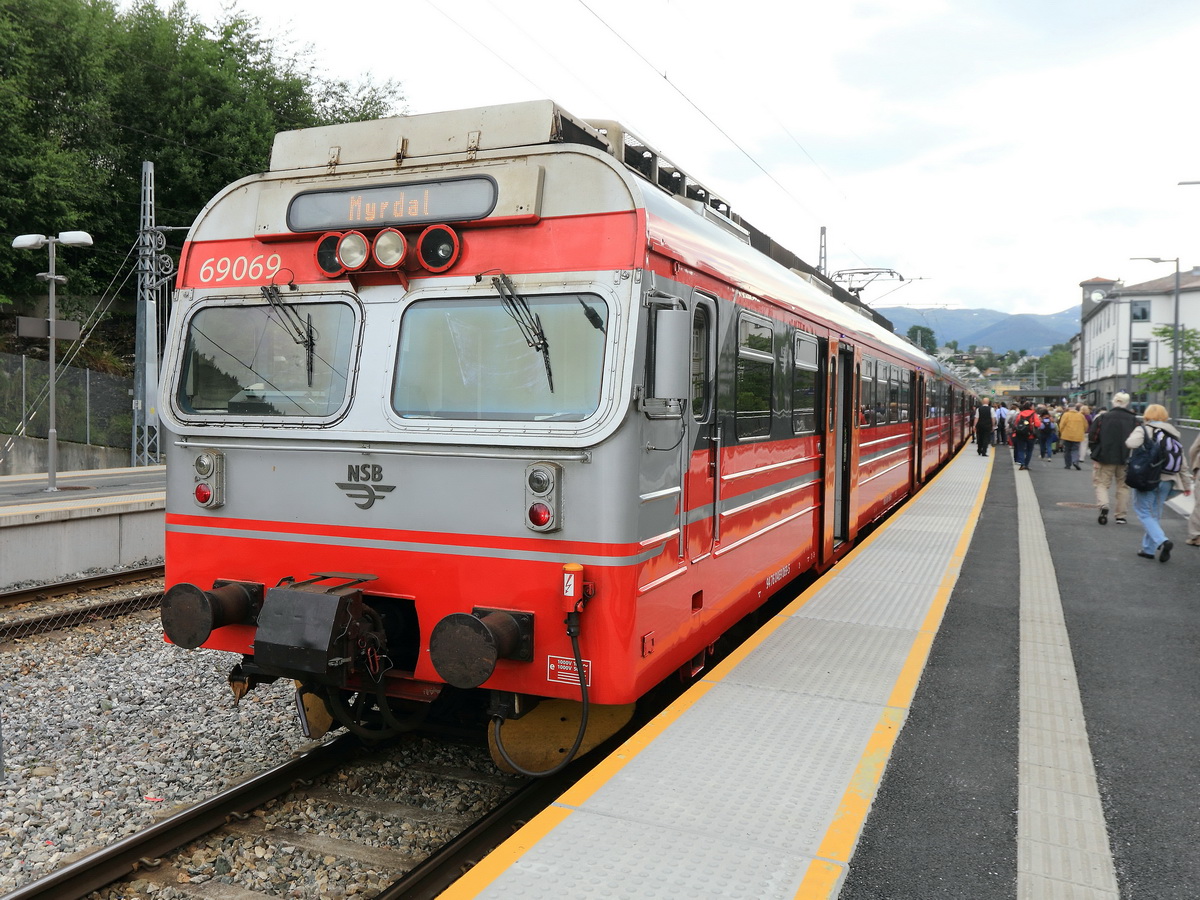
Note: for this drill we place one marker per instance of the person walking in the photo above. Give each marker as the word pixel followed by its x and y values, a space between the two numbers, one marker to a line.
pixel 982 423
pixel 1147 505
pixel 1109 455
pixel 1046 434
pixel 1025 427
pixel 1000 415
pixel 1072 429
pixel 1193 465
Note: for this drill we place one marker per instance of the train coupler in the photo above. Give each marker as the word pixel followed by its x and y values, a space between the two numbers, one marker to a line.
pixel 320 631
pixel 241 682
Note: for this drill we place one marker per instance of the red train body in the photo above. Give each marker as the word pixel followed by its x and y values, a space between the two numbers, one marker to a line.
pixel 441 388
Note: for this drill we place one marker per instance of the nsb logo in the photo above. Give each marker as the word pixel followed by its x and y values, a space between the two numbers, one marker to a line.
pixel 362 485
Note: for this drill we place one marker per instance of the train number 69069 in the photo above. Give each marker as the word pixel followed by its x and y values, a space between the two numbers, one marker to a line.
pixel 239 268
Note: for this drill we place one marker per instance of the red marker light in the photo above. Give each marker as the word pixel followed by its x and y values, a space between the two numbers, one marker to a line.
pixel 203 493
pixel 539 515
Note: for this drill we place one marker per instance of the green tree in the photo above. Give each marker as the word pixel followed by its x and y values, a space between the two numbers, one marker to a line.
pixel 1053 368
pixel 1159 379
pixel 922 336
pixel 88 92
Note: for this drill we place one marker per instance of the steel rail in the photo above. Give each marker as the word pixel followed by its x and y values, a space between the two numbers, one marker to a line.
pixel 88 583
pixel 430 878
pixel 64 618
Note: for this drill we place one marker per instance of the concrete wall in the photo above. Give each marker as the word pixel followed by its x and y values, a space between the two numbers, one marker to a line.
pixel 44 545
pixel 28 456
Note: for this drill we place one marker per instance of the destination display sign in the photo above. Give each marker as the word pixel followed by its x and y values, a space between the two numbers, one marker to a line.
pixel 396 204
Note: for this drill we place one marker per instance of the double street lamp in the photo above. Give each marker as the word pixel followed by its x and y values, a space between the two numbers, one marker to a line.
pixel 36 242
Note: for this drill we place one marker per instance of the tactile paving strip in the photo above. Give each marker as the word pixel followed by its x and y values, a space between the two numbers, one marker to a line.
pixel 870 602
pixel 685 864
pixel 843 660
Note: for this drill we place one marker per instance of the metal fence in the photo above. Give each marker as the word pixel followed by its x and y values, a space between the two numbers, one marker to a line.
pixel 91 407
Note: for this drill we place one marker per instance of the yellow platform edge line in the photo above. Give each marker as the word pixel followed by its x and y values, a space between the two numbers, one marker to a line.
pixel 842 834
pixel 502 858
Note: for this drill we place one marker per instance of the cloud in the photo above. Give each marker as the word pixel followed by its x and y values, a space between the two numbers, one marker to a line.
pixel 1001 150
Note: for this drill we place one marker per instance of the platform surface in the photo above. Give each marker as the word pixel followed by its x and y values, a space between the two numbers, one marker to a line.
pixel 767 779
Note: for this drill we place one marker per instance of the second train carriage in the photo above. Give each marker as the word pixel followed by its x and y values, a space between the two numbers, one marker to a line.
pixel 501 399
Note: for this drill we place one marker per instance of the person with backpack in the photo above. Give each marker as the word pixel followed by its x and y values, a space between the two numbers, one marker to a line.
pixel 1106 438
pixel 1047 434
pixel 1025 427
pixel 1155 468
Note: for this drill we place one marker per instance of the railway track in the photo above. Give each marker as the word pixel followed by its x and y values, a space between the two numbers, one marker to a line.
pixel 238 833
pixel 47 607
pixel 58 589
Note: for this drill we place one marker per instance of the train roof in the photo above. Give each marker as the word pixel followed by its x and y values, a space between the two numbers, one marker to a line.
pixel 539 122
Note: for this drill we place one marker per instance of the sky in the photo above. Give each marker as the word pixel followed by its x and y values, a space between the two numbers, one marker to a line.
pixel 994 153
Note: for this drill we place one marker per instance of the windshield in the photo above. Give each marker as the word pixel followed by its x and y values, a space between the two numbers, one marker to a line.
pixel 276 360
pixel 469 359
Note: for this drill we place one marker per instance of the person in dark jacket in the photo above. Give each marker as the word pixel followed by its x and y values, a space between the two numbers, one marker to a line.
pixel 1108 435
pixel 983 426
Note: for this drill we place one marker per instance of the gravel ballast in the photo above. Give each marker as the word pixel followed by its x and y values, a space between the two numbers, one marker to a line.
pixel 105 727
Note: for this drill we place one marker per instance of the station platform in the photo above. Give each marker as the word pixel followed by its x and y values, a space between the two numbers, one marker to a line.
pixel 98 518
pixel 991 696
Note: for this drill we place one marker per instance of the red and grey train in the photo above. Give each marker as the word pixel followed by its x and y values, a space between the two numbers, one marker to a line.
pixel 500 403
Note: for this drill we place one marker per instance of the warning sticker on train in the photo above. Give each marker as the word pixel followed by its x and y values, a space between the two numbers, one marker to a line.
pixel 562 669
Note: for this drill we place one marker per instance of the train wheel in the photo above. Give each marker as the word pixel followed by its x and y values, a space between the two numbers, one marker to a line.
pixel 540 739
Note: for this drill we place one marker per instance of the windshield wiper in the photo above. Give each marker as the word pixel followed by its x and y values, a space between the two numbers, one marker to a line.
pixel 528 321
pixel 592 316
pixel 301 331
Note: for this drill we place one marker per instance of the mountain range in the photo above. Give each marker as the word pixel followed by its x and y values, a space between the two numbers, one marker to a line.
pixel 1035 334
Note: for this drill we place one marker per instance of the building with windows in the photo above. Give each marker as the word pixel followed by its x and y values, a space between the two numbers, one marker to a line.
pixel 1116 343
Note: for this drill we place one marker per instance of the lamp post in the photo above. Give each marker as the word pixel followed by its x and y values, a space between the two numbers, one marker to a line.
pixel 36 242
pixel 1174 334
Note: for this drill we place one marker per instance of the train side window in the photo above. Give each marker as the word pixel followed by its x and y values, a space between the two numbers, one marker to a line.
pixel 866 391
pixel 881 394
pixel 755 376
pixel 804 385
pixel 701 364
pixel 905 394
pixel 893 394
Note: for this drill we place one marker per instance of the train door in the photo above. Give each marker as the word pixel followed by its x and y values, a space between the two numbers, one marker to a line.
pixel 703 440
pixel 839 445
pixel 920 422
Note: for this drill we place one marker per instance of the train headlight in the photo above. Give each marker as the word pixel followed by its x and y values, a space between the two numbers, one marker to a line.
pixel 539 480
pixel 327 255
pixel 543 496
pixel 438 248
pixel 389 248
pixel 205 464
pixel 352 250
